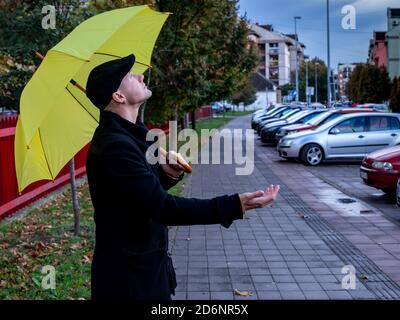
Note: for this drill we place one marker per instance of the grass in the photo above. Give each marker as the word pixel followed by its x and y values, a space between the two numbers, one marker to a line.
pixel 45 237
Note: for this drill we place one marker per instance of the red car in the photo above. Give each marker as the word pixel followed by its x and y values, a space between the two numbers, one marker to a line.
pixel 381 169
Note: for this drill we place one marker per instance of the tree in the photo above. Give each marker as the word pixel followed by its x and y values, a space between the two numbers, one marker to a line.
pixel 22 35
pixel 369 83
pixel 321 74
pixel 395 95
pixel 247 95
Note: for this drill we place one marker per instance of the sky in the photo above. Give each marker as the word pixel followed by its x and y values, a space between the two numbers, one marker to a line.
pixel 347 46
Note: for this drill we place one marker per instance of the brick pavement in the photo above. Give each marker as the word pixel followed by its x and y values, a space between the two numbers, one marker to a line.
pixel 292 249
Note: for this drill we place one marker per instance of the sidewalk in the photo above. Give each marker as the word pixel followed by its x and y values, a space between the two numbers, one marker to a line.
pixel 292 249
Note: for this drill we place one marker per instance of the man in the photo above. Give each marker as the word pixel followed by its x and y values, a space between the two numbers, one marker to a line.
pixel 132 208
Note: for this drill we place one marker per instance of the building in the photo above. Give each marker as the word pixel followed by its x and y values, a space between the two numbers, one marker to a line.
pixel 377 54
pixel 393 42
pixel 277 53
pixel 343 75
pixel 266 91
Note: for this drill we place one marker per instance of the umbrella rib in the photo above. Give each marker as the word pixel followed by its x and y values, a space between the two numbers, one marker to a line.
pixel 81 105
pixel 45 157
pixel 112 55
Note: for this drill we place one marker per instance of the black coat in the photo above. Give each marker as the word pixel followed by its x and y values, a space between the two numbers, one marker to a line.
pixel 132 211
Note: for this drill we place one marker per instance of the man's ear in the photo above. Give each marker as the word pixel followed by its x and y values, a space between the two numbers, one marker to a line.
pixel 118 97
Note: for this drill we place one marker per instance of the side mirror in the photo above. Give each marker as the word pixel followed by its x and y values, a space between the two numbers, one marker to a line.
pixel 335 131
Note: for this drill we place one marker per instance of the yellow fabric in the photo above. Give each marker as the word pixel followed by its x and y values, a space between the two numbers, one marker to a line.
pixel 56 119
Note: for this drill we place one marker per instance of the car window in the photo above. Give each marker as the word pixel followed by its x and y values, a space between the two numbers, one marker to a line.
pixel 394 123
pixel 331 117
pixel 309 117
pixel 379 123
pixel 356 124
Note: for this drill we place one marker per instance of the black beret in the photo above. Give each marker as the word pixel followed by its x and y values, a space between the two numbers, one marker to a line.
pixel 106 78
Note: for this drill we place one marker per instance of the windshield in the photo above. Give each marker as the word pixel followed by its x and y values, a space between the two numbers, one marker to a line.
pixel 298 115
pixel 315 121
pixel 288 113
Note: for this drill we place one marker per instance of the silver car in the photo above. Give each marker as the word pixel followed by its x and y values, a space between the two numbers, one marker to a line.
pixel 348 136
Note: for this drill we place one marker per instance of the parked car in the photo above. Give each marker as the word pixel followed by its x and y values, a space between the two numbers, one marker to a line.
pixel 381 169
pixel 349 136
pixel 286 114
pixel 261 116
pixel 377 107
pixel 319 120
pixel 318 105
pixel 217 107
pixel 278 112
pixel 268 133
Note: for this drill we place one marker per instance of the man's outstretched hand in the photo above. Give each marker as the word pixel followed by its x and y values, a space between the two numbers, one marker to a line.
pixel 259 199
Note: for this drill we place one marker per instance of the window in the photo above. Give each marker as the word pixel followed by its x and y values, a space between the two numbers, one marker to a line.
pixel 352 125
pixel 379 123
pixel 394 123
pixel 307 118
pixel 331 117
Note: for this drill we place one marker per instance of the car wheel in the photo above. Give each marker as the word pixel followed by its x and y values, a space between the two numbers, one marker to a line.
pixel 390 192
pixel 398 193
pixel 311 155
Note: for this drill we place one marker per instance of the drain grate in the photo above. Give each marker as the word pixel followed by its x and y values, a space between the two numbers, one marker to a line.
pixel 381 285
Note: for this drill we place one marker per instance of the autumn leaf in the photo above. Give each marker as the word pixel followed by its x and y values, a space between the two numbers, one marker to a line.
pixel 242 293
pixel 3 283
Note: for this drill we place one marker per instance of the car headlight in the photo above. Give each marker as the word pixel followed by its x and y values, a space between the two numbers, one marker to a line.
pixel 291 132
pixel 286 142
pixel 382 165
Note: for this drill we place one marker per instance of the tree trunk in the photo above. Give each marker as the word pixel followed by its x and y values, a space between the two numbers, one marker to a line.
pixel 75 204
pixel 193 120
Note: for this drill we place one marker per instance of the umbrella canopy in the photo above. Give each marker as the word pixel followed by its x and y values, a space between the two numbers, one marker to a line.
pixel 56 118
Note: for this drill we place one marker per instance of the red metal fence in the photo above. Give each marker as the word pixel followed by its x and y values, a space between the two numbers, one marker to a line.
pixel 10 199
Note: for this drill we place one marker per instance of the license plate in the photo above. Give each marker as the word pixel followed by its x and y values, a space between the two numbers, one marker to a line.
pixel 364 175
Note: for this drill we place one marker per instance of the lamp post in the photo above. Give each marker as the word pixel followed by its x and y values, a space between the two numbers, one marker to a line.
pixel 316 81
pixel 329 54
pixel 297 62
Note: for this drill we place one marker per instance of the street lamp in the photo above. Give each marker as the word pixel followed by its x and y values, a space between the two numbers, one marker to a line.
pixel 329 54
pixel 316 81
pixel 297 63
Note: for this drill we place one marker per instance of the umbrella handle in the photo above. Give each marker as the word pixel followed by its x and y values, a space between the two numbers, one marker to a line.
pixel 185 165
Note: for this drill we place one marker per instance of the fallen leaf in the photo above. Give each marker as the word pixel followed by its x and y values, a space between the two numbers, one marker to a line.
pixel 243 293
pixel 86 259
pixel 364 277
pixel 303 216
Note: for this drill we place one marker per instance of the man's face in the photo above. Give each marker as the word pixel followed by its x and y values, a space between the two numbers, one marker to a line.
pixel 134 89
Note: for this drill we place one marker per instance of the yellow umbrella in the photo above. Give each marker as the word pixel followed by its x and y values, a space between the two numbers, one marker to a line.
pixel 56 118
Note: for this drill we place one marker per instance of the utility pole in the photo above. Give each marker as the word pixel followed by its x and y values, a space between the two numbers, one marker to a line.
pixel 316 81
pixel 329 54
pixel 297 58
